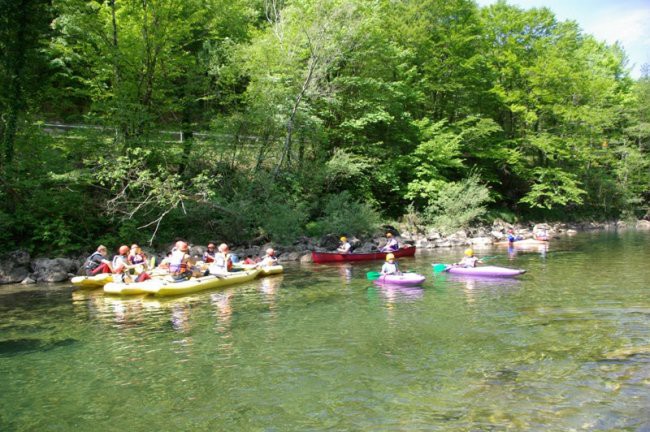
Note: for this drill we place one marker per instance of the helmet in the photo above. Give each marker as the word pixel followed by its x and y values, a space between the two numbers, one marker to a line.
pixel 390 256
pixel 469 252
pixel 344 239
pixel 124 249
pixel 270 251
pixel 389 234
pixel 223 247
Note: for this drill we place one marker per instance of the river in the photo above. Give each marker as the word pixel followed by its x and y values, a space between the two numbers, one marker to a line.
pixel 566 346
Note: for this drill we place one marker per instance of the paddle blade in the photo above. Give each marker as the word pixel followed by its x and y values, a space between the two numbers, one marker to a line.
pixel 437 268
pixel 373 275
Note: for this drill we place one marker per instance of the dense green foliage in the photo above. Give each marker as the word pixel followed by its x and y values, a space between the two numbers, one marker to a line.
pixel 265 120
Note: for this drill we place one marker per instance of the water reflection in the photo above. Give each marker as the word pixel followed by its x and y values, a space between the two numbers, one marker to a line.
pixel 223 309
pixel 180 318
pixel 473 286
pixel 398 293
pixel 541 249
pixel 345 272
pixel 123 312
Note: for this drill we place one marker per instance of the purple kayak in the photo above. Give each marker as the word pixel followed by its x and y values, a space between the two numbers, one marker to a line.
pixel 489 271
pixel 403 279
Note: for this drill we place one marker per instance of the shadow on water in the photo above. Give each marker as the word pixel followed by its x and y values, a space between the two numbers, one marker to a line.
pixel 15 347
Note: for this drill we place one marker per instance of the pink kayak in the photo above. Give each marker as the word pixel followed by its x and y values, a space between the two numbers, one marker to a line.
pixel 489 271
pixel 403 279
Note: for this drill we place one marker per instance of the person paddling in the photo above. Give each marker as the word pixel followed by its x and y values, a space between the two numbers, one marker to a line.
pixel 345 246
pixel 390 267
pixel 469 260
pixel 391 243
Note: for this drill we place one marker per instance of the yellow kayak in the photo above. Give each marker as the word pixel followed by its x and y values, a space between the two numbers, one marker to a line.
pixel 204 283
pixel 91 282
pixel 264 271
pixel 167 287
pixel 135 288
pixel 270 270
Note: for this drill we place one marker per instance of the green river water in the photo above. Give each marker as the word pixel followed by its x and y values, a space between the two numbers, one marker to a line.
pixel 564 347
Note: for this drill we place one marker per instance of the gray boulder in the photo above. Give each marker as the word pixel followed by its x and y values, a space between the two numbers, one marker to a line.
pixel 53 270
pixel 20 257
pixel 10 272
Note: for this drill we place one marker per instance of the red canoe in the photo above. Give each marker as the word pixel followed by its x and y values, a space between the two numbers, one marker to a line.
pixel 330 257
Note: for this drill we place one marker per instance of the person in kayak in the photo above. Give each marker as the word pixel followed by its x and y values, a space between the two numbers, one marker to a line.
pixel 121 265
pixel 180 262
pixel 137 257
pixel 269 259
pixel 138 261
pixel 541 234
pixel 222 261
pixel 345 246
pixel 390 267
pixel 97 262
pixel 210 254
pixel 391 243
pixel 469 260
pixel 512 237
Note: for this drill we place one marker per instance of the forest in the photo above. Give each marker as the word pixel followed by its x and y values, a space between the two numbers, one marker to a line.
pixel 268 120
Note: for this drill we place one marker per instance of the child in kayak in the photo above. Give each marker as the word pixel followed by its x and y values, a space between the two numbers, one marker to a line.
pixel 269 259
pixel 469 260
pixel 390 267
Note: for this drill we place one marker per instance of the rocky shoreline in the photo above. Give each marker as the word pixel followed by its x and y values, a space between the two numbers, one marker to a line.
pixel 19 267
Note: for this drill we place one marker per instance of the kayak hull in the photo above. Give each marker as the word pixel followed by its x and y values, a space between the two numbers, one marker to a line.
pixel 264 271
pixel 334 257
pixel 485 271
pixel 271 270
pixel 405 279
pixel 164 287
pixel 91 282
pixel 205 283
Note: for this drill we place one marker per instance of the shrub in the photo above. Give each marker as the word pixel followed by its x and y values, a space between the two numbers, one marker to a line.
pixel 342 214
pixel 458 204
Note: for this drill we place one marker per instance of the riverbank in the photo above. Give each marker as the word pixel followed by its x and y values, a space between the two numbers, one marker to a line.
pixel 19 267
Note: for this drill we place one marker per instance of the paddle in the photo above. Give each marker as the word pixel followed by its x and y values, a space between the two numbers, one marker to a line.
pixel 437 268
pixel 373 275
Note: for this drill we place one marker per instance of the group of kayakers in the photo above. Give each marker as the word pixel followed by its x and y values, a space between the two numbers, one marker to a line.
pixel 131 264
pixel 122 263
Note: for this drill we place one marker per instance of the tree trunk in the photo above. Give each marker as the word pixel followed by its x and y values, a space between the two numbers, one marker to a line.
pixel 286 152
